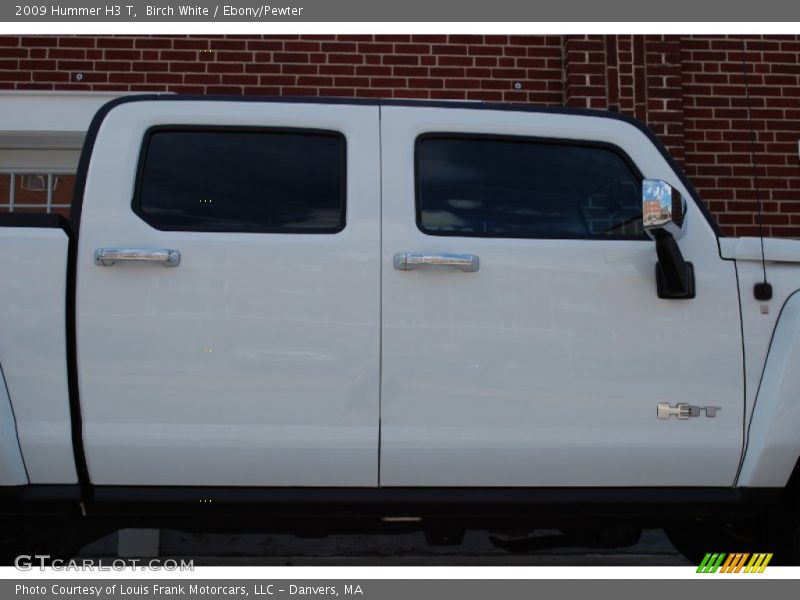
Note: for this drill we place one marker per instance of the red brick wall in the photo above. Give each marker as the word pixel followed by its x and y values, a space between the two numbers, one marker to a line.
pixel 689 89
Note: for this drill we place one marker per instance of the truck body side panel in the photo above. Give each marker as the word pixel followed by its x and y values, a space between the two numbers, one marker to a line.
pixel 759 318
pixel 12 469
pixel 773 442
pixel 33 348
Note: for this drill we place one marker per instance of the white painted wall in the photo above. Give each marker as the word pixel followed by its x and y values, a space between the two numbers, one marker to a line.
pixel 44 130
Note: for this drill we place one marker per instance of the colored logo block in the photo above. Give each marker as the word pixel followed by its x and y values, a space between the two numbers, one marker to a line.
pixel 737 562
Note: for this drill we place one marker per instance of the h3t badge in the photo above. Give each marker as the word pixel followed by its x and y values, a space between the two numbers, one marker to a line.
pixel 664 410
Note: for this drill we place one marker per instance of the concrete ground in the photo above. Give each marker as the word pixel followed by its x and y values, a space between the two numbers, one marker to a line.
pixel 403 549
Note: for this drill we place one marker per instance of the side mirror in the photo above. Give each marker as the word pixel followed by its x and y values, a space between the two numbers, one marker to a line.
pixel 663 214
pixel 663 208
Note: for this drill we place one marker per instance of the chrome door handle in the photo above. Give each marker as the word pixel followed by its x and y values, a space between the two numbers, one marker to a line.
pixel 105 257
pixel 406 261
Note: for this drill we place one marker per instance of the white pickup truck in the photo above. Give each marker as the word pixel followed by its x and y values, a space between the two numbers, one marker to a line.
pixel 326 315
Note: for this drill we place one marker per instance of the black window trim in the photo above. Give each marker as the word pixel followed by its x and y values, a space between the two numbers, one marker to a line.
pixel 136 199
pixel 451 135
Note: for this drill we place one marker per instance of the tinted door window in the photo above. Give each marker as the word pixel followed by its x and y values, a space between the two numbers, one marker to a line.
pixel 247 181
pixel 509 187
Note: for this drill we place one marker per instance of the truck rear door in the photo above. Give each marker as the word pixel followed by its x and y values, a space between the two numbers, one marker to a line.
pixel 228 295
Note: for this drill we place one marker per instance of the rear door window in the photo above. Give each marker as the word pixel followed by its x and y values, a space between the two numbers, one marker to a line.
pixel 242 180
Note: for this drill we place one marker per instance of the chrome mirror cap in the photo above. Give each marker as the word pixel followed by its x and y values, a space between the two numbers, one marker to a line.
pixel 663 208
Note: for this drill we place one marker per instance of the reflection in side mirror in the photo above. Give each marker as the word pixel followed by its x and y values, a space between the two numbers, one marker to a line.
pixel 663 208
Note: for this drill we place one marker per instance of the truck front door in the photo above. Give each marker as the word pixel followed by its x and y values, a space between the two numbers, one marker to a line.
pixel 523 340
